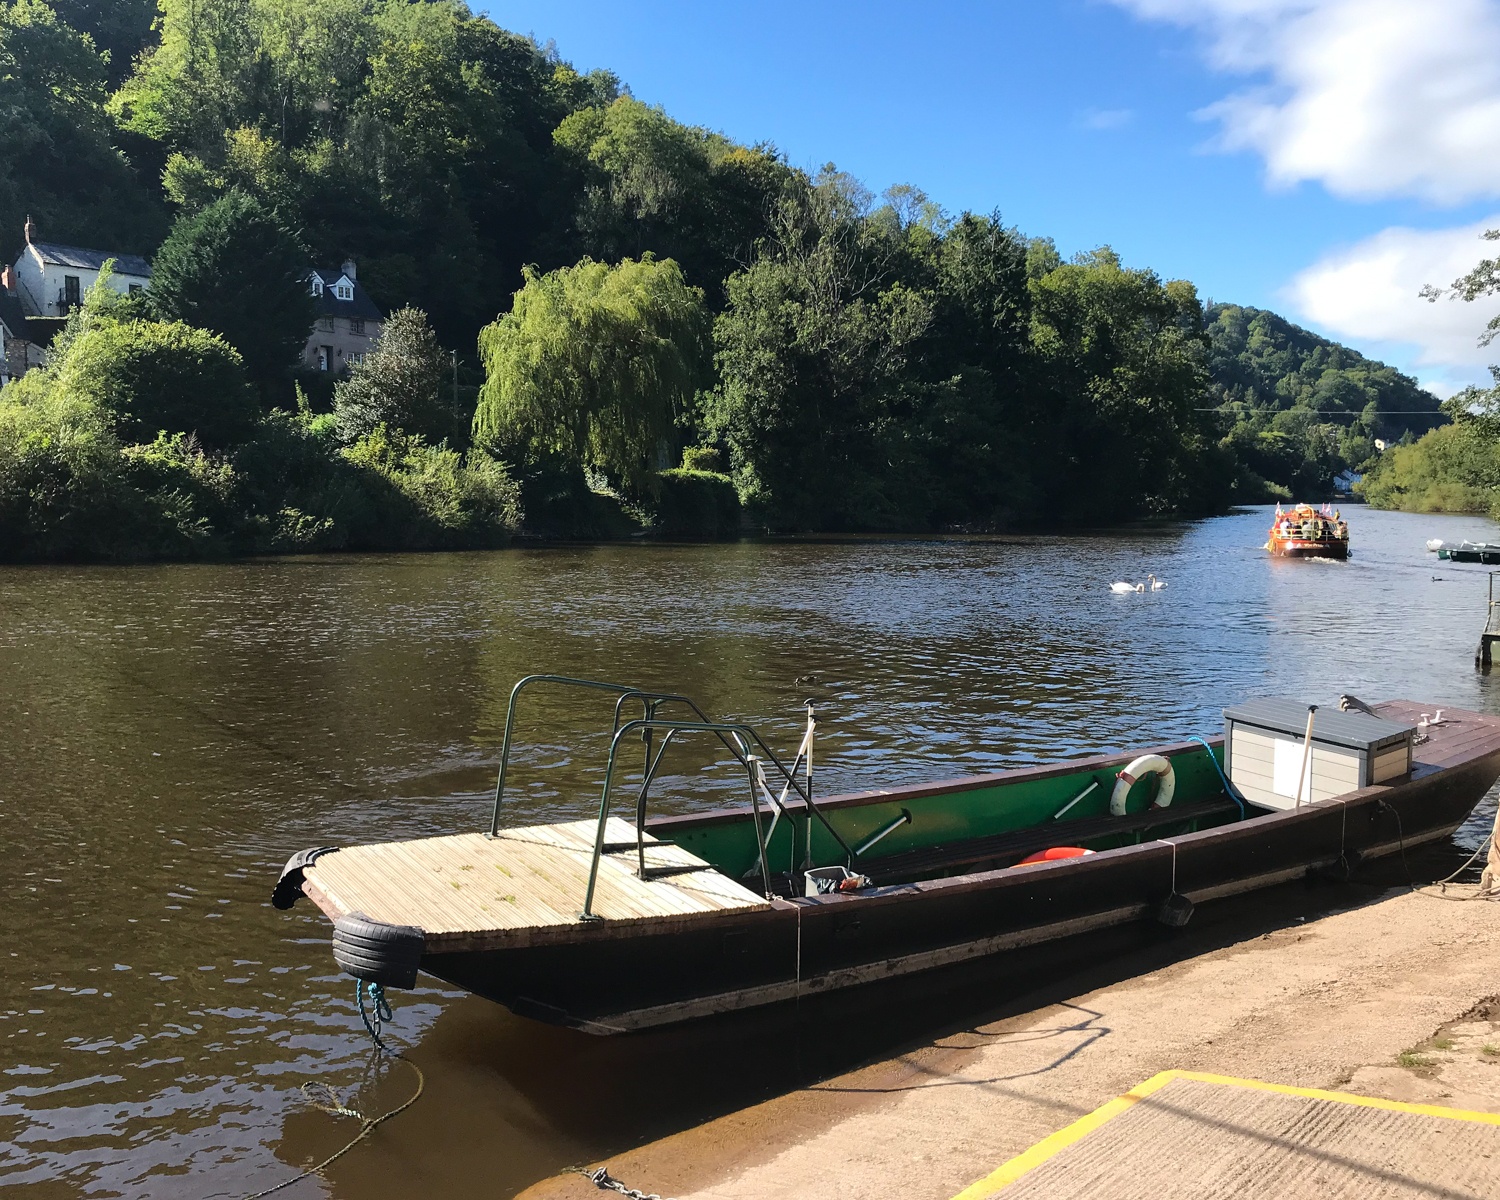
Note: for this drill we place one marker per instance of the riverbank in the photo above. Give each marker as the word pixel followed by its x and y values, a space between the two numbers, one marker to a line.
pixel 1390 998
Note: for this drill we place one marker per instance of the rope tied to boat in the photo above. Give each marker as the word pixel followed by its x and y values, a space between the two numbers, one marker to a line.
pixel 321 1096
pixel 603 1180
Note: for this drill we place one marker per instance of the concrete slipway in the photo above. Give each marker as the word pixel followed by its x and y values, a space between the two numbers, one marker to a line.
pixel 1397 996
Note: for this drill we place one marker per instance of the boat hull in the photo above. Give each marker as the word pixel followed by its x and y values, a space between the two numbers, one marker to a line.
pixel 1298 548
pixel 1456 554
pixel 611 984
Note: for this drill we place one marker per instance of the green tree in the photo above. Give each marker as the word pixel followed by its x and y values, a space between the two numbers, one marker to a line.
pixel 235 270
pixel 60 164
pixel 596 363
pixel 652 185
pixel 399 384
pixel 120 29
pixel 154 377
pixel 815 393
pixel 1122 360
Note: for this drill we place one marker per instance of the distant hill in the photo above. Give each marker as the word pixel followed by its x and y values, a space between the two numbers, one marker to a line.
pixel 1259 360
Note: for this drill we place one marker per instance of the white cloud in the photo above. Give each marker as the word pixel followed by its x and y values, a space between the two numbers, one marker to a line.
pixel 1371 98
pixel 1105 118
pixel 1368 293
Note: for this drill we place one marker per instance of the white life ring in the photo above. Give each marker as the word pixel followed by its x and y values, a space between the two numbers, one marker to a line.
pixel 1147 764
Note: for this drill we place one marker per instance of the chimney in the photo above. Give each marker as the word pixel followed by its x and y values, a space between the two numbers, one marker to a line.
pixel 348 269
pixel 8 279
pixel 30 229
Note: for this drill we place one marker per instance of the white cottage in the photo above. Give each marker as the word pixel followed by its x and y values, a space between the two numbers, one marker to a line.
pixel 51 280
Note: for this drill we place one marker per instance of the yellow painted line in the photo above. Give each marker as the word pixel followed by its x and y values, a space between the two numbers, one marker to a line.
pixel 1029 1160
pixel 1425 1110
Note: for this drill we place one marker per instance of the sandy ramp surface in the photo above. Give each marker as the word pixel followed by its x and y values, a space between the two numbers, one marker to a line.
pixel 1329 1004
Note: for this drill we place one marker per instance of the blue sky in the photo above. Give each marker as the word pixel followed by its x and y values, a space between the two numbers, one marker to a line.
pixel 1311 156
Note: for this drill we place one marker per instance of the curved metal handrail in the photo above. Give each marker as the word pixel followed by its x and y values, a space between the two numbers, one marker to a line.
pixel 652 700
pixel 510 720
pixel 741 733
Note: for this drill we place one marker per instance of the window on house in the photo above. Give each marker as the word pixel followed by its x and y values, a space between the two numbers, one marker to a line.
pixel 317 286
pixel 72 296
pixel 357 326
pixel 344 290
pixel 325 324
pixel 135 289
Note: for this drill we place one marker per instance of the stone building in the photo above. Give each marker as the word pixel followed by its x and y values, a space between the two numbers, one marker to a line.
pixel 348 320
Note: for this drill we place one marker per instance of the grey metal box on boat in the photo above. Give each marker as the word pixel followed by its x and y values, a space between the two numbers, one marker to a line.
pixel 1263 750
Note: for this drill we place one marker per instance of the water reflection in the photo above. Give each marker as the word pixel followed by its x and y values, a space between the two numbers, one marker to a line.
pixel 171 733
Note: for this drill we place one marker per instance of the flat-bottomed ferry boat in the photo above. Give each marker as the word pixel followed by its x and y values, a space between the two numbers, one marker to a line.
pixel 626 920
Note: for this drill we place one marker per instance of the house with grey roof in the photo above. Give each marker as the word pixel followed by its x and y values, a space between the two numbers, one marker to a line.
pixel 50 280
pixel 348 321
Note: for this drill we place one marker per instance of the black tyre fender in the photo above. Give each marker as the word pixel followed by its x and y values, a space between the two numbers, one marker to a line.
pixel 378 952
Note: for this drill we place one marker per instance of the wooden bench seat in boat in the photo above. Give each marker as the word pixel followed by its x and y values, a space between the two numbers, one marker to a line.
pixel 1006 849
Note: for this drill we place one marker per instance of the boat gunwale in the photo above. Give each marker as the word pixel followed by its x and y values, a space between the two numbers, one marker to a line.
pixel 941 787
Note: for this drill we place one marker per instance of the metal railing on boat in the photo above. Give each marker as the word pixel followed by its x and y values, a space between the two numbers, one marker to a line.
pixel 736 737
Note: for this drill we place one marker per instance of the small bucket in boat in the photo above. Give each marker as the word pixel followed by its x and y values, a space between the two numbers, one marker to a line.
pixel 821 881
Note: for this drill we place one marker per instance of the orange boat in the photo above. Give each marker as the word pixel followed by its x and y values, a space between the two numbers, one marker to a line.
pixel 1307 532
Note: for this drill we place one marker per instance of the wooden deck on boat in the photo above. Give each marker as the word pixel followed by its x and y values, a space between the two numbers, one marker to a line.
pixel 1462 735
pixel 470 891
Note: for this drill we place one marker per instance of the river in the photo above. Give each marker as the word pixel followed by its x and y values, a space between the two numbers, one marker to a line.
pixel 169 734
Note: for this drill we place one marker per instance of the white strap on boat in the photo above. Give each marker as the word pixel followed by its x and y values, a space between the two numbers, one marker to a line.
pixel 805 747
pixel 765 790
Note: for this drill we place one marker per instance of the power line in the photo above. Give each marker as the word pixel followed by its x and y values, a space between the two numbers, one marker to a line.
pixel 1330 412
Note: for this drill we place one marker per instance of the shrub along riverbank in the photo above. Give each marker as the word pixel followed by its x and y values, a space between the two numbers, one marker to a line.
pixel 674 332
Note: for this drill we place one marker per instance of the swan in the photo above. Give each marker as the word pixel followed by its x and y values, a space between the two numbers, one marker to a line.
pixel 1121 588
pixel 1156 584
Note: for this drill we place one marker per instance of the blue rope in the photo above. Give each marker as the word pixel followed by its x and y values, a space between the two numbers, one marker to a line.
pixel 1228 787
pixel 382 1008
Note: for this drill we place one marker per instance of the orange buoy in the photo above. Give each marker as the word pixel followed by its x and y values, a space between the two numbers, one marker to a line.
pixel 1054 854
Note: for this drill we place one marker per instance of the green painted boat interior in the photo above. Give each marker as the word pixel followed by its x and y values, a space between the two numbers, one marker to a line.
pixel 952 814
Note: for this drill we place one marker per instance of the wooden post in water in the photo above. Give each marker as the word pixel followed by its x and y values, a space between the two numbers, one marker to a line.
pixel 1491 632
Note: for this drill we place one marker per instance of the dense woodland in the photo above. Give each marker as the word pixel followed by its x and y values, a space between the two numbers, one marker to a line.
pixel 653 324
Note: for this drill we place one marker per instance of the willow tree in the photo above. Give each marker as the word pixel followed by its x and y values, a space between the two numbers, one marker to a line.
pixel 595 363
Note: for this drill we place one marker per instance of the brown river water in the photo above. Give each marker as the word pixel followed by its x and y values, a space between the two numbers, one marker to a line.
pixel 169 734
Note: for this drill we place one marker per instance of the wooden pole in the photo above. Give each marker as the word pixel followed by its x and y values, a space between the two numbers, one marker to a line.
pixel 1306 754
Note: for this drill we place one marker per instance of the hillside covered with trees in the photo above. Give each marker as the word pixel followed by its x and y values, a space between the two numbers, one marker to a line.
pixel 651 322
pixel 1304 408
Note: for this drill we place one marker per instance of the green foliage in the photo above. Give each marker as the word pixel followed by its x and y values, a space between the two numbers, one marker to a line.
pixel 812 356
pixel 235 270
pixel 433 496
pixel 1326 403
pixel 156 377
pixel 1123 357
pixel 119 29
pixel 60 164
pixel 68 491
pixel 703 458
pixel 697 504
pixel 651 185
pixel 1451 469
pixel 596 363
pixel 877 363
pixel 401 383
